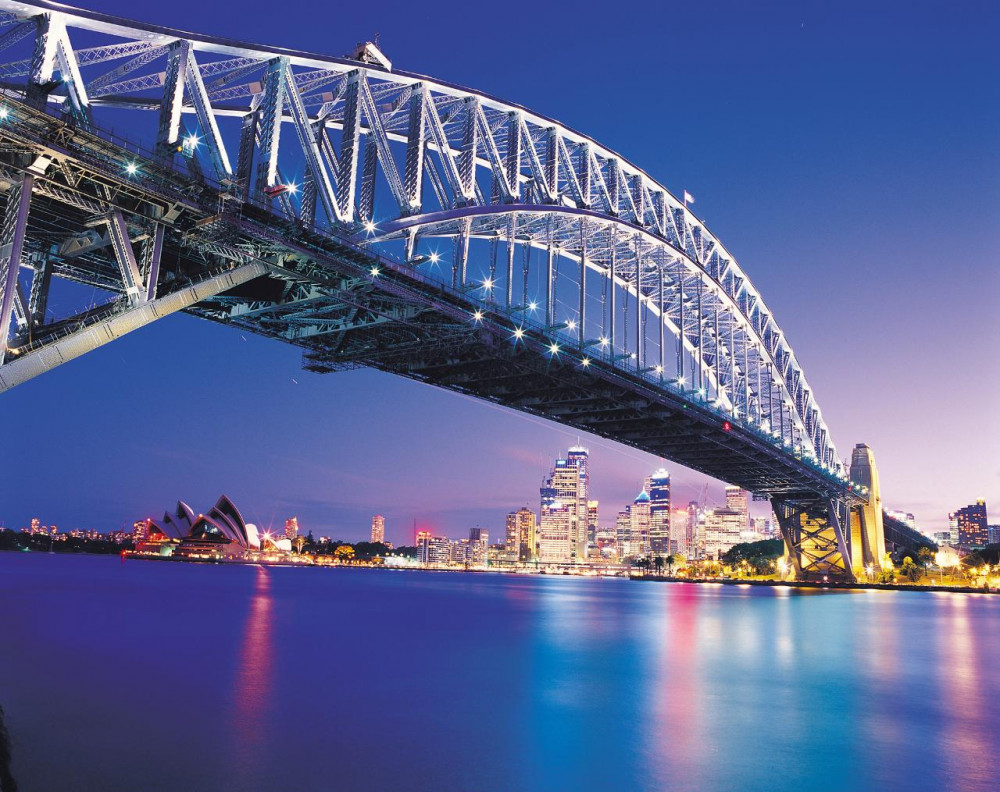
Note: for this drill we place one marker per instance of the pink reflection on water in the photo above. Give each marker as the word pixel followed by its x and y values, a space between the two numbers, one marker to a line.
pixel 252 686
pixel 676 733
pixel 967 755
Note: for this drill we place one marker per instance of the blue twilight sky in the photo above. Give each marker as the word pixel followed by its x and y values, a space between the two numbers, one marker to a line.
pixel 847 153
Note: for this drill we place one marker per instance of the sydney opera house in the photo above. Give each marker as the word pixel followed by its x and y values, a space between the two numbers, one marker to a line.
pixel 219 533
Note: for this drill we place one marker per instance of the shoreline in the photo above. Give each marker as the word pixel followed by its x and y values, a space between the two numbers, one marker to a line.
pixel 795 584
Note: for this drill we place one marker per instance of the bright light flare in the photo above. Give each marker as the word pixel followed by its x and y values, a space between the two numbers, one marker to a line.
pixel 532 306
pixel 435 258
pixel 478 316
pixel 488 284
pixel 604 341
pixel 518 333
pixel 292 188
pixel 374 271
pixel 131 169
pixel 554 348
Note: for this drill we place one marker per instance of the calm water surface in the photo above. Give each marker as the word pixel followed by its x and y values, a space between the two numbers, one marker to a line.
pixel 157 676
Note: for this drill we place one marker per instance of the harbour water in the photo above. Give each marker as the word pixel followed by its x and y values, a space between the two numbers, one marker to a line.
pixel 151 676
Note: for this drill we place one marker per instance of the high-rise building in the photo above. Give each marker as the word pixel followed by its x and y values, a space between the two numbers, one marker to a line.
pixel 623 533
pixel 658 487
pixel 291 528
pixel 592 518
pixel 479 546
pixel 737 501
pixel 433 549
pixel 521 538
pixel 691 537
pixel 972 525
pixel 639 529
pixel 378 528
pixel 953 529
pixel 568 485
pixel 554 531
pixel 140 530
pixel 722 530
pixel 994 533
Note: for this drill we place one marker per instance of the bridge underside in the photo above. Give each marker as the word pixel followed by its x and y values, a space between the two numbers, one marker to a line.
pixel 440 343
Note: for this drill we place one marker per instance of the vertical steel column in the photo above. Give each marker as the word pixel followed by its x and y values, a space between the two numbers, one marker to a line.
pixel 581 336
pixel 39 295
pixel 611 275
pixel 663 337
pixel 701 333
pixel 244 159
pixel 511 233
pixel 718 356
pixel 732 359
pixel 681 335
pixel 153 252
pixel 413 169
pixel 12 234
pixel 550 284
pixel 746 378
pixel 270 124
pixel 172 103
pixel 349 145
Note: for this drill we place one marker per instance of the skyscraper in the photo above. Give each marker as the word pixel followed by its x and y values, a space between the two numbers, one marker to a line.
pixel 568 486
pixel 640 525
pixel 554 532
pixel 691 538
pixel 291 528
pixel 521 538
pixel 592 520
pixel 658 486
pixel 736 500
pixel 378 528
pixel 972 525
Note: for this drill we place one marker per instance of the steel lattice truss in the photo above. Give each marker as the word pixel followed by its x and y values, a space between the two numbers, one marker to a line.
pixel 511 219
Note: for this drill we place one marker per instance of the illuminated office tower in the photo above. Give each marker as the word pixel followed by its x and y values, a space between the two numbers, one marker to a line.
pixel 736 500
pixel 658 487
pixel 640 523
pixel 521 539
pixel 378 528
pixel 592 517
pixel 972 525
pixel 479 546
pixel 291 528
pixel 568 485
pixel 554 532
pixel 953 529
pixel 623 533
pixel 691 530
pixel 722 530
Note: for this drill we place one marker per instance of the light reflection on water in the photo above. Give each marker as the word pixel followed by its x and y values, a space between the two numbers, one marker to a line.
pixel 246 678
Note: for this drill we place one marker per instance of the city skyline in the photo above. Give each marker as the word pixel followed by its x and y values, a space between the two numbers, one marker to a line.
pixel 783 207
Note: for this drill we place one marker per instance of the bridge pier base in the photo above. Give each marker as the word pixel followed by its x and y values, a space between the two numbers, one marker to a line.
pixel 815 538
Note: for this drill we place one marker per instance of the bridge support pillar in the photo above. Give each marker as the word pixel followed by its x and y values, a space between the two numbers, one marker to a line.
pixel 867 530
pixel 815 538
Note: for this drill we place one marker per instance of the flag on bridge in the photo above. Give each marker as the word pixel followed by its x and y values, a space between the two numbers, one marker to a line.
pixel 688 198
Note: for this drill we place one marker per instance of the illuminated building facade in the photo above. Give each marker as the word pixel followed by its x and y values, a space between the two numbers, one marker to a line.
pixel 291 528
pixel 378 529
pixel 723 528
pixel 658 487
pixel 737 501
pixel 568 485
pixel 521 538
pixel 972 525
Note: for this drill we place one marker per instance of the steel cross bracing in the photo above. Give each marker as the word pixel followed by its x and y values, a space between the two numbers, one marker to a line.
pixel 529 227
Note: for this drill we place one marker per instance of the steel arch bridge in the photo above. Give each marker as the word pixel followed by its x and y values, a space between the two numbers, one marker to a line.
pixel 374 217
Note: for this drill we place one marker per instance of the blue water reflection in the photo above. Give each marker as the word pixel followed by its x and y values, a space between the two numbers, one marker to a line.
pixel 161 676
